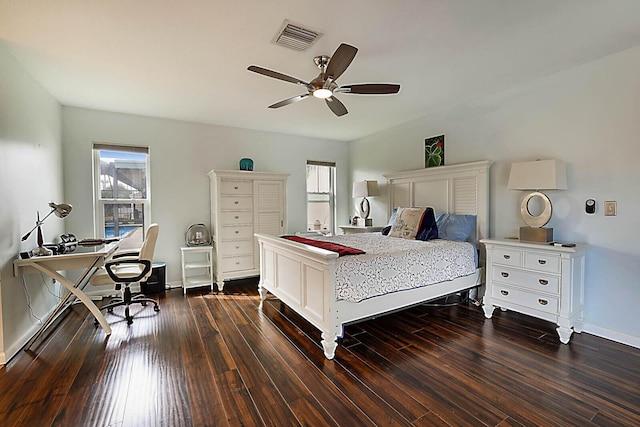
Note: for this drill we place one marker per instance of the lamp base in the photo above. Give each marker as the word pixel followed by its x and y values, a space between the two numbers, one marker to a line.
pixel 532 234
pixel 42 251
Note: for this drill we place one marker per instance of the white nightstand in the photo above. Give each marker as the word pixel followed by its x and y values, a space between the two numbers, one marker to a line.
pixel 537 279
pixel 352 229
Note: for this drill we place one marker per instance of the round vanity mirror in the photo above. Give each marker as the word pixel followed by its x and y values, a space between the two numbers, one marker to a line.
pixel 536 209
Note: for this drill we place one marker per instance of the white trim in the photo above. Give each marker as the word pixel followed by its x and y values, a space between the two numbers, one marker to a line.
pixel 611 335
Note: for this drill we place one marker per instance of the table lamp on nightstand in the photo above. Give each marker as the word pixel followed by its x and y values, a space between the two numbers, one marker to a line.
pixel 365 189
pixel 537 175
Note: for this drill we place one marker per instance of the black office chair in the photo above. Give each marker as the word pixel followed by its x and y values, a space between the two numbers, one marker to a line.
pixel 125 268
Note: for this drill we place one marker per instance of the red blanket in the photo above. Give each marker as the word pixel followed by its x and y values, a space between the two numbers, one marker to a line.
pixel 333 247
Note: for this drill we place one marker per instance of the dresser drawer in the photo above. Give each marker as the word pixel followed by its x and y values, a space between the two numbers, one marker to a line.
pixel 236 232
pixel 541 261
pixel 512 296
pixel 237 263
pixel 236 202
pixel 537 282
pixel 506 256
pixel 228 187
pixel 234 218
pixel 239 247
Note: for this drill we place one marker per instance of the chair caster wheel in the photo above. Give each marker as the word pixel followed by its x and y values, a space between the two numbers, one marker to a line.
pixel 144 304
pixel 110 310
pixel 130 321
pixel 156 308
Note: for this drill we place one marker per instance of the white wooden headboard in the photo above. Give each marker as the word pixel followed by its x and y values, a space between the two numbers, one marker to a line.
pixel 459 189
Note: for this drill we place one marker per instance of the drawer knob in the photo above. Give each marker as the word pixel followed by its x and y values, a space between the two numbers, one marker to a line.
pixel 237 247
pixel 504 292
pixel 235 202
pixel 507 256
pixel 237 262
pixel 542 261
pixel 543 301
pixel 543 282
pixel 504 274
pixel 237 231
pixel 236 217
pixel 235 188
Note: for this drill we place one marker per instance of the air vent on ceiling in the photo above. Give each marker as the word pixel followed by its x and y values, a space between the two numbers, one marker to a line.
pixel 295 36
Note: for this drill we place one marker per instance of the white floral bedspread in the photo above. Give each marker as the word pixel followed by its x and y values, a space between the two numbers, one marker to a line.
pixel 393 264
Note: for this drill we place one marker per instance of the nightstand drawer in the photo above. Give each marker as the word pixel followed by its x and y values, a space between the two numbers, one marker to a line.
pixel 512 296
pixel 534 281
pixel 540 261
pixel 506 256
pixel 236 187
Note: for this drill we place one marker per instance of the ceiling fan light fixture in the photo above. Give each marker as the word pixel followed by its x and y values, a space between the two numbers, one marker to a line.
pixel 322 93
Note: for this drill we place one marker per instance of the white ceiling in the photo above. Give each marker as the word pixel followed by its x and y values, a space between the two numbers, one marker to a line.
pixel 188 59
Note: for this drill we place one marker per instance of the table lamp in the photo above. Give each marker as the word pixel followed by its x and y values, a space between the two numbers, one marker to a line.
pixel 61 210
pixel 537 175
pixel 365 189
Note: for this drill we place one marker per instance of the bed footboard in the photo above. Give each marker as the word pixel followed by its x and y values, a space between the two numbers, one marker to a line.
pixel 302 277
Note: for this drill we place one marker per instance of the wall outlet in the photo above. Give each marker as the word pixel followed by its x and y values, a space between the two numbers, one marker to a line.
pixel 610 209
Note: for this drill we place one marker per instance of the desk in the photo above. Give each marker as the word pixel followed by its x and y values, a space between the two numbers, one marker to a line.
pixel 84 258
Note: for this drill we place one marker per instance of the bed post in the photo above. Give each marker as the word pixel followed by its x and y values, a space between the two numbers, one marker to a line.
pixel 329 343
pixel 261 289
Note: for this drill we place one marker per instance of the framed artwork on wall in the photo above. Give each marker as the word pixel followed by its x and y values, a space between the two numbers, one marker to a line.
pixel 434 151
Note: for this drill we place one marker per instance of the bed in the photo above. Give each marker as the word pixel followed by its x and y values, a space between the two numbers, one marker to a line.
pixel 305 278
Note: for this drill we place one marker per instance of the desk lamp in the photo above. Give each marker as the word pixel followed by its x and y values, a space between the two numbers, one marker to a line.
pixel 61 210
pixel 365 189
pixel 537 175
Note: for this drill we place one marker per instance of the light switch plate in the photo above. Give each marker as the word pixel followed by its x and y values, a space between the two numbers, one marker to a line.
pixel 610 208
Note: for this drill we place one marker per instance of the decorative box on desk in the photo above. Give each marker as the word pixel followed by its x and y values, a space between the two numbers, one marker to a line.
pixel 352 229
pixel 537 279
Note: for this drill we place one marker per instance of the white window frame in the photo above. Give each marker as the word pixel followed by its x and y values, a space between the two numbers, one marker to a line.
pixel 332 193
pixel 100 203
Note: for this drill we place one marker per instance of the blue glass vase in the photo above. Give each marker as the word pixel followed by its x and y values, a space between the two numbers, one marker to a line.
pixel 246 164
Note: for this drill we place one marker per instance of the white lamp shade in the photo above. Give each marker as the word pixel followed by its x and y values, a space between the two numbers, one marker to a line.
pixel 538 175
pixel 365 189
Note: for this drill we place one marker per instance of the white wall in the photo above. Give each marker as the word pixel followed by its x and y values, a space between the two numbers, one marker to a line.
pixel 181 155
pixel 30 178
pixel 586 116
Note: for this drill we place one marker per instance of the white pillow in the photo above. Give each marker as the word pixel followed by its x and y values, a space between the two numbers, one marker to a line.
pixel 407 223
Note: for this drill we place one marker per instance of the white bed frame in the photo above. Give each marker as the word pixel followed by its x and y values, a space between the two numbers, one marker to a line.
pixel 303 276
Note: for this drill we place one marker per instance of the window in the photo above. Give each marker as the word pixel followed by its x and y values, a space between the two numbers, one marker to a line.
pixel 321 178
pixel 121 192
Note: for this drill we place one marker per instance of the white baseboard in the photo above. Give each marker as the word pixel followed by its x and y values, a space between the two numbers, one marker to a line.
pixel 620 337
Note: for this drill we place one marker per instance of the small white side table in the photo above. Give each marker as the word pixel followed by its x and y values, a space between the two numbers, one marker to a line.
pixel 197 267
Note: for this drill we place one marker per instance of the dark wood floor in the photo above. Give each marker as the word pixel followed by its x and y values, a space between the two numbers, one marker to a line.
pixel 214 359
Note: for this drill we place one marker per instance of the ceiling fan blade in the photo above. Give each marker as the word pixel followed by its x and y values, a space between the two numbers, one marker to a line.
pixel 340 60
pixel 276 75
pixel 336 106
pixel 370 89
pixel 289 101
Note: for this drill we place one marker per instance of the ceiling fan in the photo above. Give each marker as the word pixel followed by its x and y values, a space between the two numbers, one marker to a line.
pixel 325 86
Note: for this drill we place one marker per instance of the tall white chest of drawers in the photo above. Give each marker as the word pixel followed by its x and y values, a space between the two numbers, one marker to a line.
pixel 537 279
pixel 244 203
